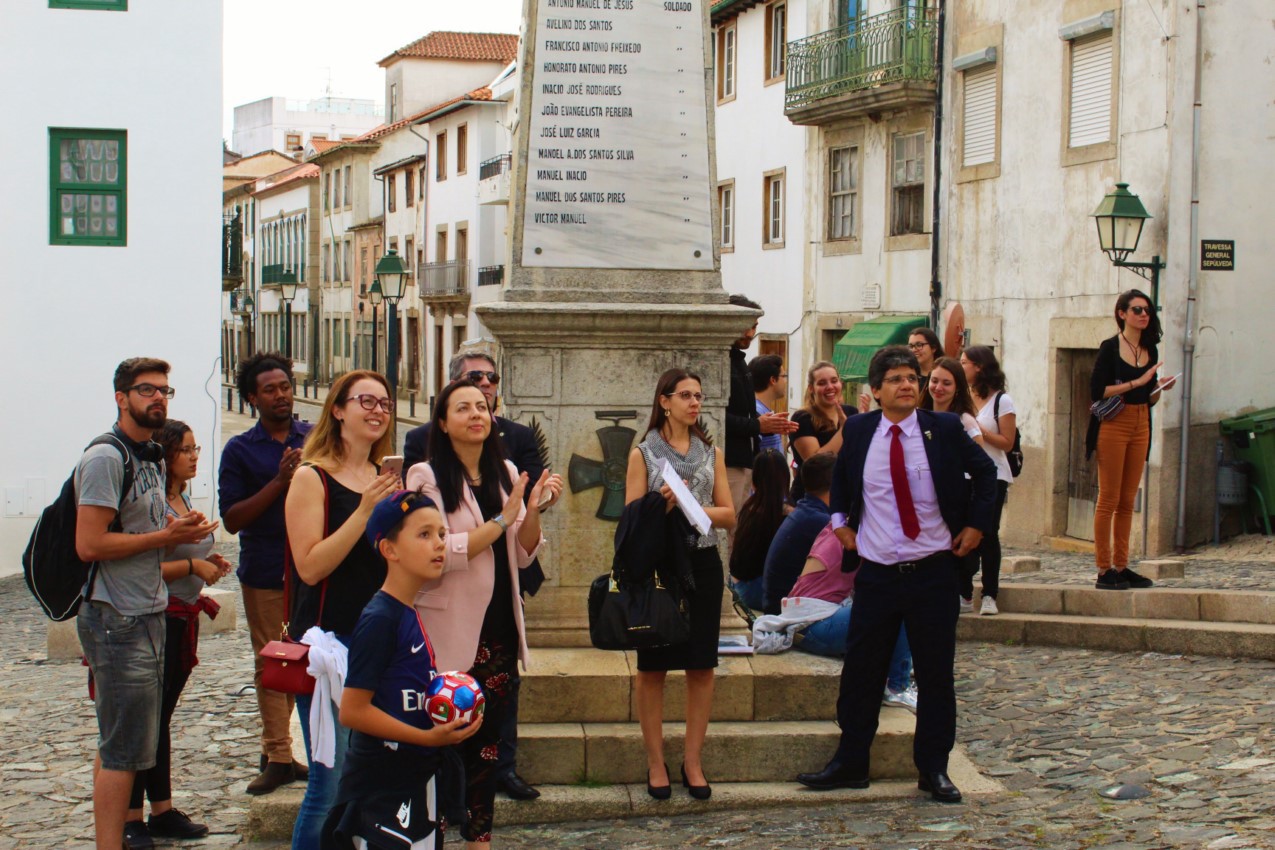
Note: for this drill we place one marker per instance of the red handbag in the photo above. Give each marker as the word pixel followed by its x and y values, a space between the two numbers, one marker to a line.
pixel 284 661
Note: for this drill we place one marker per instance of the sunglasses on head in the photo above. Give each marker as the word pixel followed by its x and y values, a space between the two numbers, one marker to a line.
pixel 477 375
pixel 1139 310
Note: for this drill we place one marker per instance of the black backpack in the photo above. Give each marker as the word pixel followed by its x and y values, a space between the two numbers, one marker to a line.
pixel 58 579
pixel 1014 455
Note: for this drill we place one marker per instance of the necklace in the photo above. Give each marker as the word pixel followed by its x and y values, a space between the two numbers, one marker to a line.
pixel 1136 349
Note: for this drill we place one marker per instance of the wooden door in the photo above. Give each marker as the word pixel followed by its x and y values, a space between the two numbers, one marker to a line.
pixel 1082 475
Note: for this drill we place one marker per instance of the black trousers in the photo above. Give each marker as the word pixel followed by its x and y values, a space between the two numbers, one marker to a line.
pixel 924 599
pixel 157 783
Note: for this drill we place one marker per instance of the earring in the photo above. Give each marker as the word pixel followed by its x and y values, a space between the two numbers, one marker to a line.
pixel 666 411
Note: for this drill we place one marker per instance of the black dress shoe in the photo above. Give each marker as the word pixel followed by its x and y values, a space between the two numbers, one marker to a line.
pixel 699 792
pixel 939 786
pixel 835 775
pixel 515 787
pixel 658 792
pixel 300 772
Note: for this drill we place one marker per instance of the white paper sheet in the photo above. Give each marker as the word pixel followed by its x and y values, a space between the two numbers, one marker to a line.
pixel 694 512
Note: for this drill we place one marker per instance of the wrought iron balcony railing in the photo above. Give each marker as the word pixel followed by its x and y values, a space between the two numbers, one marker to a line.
pixel 434 280
pixel 494 166
pixel 892 47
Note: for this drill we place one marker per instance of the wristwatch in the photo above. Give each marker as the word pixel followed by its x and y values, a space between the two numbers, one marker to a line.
pixel 499 519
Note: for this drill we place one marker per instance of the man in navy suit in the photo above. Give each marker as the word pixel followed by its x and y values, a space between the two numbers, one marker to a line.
pixel 900 498
pixel 519 443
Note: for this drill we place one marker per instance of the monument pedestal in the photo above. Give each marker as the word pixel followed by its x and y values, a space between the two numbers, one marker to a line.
pixel 586 372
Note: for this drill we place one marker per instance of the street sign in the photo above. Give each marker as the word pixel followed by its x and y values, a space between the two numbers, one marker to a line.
pixel 1217 255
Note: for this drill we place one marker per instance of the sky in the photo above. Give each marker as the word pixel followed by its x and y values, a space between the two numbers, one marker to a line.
pixel 294 50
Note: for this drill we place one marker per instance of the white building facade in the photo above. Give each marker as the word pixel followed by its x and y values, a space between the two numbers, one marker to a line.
pixel 281 124
pixel 117 229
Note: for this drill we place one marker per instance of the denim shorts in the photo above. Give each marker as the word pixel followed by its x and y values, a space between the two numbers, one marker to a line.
pixel 126 655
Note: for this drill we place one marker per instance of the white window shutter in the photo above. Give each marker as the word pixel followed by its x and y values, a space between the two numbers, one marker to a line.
pixel 979 144
pixel 1090 91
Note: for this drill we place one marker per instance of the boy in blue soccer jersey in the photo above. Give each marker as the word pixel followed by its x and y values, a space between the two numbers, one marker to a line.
pixel 388 794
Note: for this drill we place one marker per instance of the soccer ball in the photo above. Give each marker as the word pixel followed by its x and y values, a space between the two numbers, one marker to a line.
pixel 453 695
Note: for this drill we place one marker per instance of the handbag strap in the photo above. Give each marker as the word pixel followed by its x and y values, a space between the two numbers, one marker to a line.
pixel 289 566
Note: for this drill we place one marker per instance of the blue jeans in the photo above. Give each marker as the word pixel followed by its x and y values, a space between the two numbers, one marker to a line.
pixel 749 591
pixel 320 790
pixel 828 637
pixel 126 655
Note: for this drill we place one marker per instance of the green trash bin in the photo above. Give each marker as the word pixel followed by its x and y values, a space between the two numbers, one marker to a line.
pixel 1252 437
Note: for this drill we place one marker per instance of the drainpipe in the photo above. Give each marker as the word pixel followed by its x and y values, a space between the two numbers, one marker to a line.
pixel 936 285
pixel 422 380
pixel 1193 283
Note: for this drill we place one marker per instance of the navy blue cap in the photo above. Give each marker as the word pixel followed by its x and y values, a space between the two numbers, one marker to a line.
pixel 392 510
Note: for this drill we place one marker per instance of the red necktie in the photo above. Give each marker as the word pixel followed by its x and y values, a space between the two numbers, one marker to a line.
pixel 902 491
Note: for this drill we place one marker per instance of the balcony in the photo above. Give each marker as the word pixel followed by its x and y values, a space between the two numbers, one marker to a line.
pixel 273 275
pixel 491 275
pixel 443 281
pixel 867 67
pixel 231 252
pixel 493 180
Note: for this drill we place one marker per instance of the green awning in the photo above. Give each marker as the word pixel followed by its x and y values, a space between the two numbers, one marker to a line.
pixel 854 351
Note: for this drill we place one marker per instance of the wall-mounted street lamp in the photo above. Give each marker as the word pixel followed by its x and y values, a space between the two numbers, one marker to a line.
pixel 288 290
pixel 1120 218
pixel 391 275
pixel 374 295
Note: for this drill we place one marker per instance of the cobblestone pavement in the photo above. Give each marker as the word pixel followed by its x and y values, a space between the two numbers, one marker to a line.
pixel 1243 563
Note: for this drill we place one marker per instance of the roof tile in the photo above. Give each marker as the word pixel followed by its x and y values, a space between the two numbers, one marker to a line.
pixel 474 46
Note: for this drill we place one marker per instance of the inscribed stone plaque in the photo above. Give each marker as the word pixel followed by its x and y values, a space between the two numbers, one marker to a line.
pixel 617 165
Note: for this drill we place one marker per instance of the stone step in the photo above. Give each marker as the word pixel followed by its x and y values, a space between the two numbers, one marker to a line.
pixel 1157 603
pixel 270 818
pixel 572 753
pixel 62 641
pixel 589 685
pixel 1124 634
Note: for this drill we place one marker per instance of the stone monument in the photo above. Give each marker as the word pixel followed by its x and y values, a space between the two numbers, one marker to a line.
pixel 614 267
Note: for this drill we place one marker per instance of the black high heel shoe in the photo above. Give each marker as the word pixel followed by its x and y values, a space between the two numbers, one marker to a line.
pixel 699 792
pixel 658 792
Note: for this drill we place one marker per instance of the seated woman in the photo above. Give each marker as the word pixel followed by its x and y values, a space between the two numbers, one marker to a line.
pixel 758 521
pixel 821 630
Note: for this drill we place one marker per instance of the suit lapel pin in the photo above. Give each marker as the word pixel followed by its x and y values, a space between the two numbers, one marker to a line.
pixel 927 435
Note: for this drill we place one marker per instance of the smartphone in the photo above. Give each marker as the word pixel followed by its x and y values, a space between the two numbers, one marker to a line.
pixel 1168 382
pixel 545 498
pixel 393 463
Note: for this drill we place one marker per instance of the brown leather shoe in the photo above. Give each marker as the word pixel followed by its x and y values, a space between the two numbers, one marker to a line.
pixel 300 772
pixel 276 774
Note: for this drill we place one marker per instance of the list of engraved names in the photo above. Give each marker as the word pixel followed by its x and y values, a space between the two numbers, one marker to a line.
pixel 617 162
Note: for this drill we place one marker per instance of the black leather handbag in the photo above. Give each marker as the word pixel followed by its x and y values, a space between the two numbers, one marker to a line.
pixel 641 616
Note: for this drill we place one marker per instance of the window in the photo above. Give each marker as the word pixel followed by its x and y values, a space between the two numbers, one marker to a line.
pixel 88 186
pixel 336 189
pixel 292 141
pixel 462 243
pixel 391 192
pixel 409 253
pixel 773 213
pixel 776 40
pixel 421 183
pixel 726 62
pixel 346 323
pixel 318 137
pixel 327 188
pixel 1090 114
pixel 345 260
pixel 103 5
pixel 440 245
pixel 325 260
pixel 462 148
pixel 349 200
pixel 908 185
pixel 363 272
pixel 440 163
pixel 408 196
pixel 978 116
pixel 393 116
pixel 843 192
pixel 726 203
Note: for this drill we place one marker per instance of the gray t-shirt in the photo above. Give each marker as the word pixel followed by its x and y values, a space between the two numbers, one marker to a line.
pixel 188 587
pixel 132 585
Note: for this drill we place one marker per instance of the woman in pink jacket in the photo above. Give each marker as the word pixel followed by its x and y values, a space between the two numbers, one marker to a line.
pixel 473 614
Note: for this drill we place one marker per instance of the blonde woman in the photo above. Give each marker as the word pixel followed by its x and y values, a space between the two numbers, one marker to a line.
pixel 819 420
pixel 339 571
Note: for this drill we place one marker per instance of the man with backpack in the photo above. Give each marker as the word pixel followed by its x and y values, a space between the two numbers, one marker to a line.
pixel 122 532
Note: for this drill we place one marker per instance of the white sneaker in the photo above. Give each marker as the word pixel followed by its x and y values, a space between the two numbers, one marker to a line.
pixel 967 605
pixel 903 699
pixel 989 606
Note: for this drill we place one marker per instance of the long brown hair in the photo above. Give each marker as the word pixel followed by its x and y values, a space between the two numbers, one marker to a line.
pixel 665 386
pixel 449 472
pixel 811 405
pixel 962 401
pixel 323 445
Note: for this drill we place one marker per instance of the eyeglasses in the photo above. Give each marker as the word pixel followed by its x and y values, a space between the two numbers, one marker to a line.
pixel 917 346
pixel 1139 310
pixel 895 380
pixel 192 451
pixel 686 395
pixel 477 375
pixel 371 402
pixel 148 390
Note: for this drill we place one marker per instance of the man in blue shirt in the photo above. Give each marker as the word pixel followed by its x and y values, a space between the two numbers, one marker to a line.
pixel 791 546
pixel 770 386
pixel 256 470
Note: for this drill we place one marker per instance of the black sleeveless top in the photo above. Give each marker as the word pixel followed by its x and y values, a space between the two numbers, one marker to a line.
pixel 498 622
pixel 350 586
